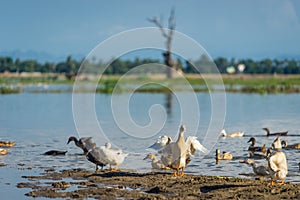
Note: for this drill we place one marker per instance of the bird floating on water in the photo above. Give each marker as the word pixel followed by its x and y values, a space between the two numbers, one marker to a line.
pixel 257 155
pixel 177 155
pixel 85 143
pixel 277 166
pixel 7 143
pixel 235 134
pixel 55 153
pixel 3 151
pixel 284 133
pixel 252 146
pixel 156 164
pixel 112 156
pixel 260 170
pixel 285 145
pixel 223 156
pixel 94 156
pixel 161 142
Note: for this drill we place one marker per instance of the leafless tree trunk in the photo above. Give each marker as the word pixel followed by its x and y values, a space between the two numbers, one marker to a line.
pixel 168 34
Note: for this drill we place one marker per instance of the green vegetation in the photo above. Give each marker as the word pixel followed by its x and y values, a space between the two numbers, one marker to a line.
pixel 233 83
pixel 70 67
pixel 255 78
pixel 8 90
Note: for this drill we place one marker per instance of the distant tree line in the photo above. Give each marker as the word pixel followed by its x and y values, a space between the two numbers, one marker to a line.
pixel 118 66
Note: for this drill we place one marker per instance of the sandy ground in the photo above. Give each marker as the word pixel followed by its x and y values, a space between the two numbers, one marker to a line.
pixel 154 185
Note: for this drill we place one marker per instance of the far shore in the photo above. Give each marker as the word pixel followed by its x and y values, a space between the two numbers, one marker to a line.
pixel 236 83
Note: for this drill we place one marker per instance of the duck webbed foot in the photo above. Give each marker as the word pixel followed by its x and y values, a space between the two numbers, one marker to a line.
pixel 175 173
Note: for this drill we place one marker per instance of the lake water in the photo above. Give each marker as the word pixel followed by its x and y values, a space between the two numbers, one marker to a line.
pixel 39 122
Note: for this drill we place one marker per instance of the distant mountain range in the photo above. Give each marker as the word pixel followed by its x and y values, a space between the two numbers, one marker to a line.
pixel 40 56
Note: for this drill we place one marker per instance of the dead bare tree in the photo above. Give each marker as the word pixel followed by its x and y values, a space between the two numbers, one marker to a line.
pixel 168 34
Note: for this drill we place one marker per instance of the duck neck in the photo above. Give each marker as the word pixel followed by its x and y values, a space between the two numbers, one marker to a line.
pixel 180 137
pixel 268 131
pixel 218 156
pixel 154 159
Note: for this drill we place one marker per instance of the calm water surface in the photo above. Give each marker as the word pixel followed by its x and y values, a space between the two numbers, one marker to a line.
pixel 42 122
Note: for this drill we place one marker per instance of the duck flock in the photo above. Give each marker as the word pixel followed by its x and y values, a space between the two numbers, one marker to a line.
pixel 176 155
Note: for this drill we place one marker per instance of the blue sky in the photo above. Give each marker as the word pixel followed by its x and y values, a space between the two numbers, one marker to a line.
pixel 233 28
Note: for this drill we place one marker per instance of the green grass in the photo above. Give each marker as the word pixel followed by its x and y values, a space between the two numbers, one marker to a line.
pixel 8 90
pixel 263 84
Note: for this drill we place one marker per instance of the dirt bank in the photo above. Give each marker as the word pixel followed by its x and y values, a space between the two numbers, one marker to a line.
pixel 111 185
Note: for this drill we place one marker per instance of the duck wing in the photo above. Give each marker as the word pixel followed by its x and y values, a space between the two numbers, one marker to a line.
pixel 193 145
pixel 95 157
pixel 161 142
pixel 87 143
pixel 167 154
pixel 277 162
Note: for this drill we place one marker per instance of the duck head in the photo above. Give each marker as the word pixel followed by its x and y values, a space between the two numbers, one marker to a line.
pixel 252 140
pixel 267 130
pixel 72 138
pixel 223 132
pixel 150 156
pixel 107 145
pixel 284 143
pixel 182 129
pixel 164 140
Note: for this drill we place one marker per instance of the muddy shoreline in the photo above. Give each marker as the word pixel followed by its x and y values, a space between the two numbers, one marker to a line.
pixel 82 184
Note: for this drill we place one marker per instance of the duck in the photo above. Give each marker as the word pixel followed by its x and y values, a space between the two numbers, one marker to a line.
pixel 275 134
pixel 7 143
pixel 277 144
pixel 85 143
pixel 260 170
pixel 94 156
pixel 285 145
pixel 224 156
pixel 3 151
pixel 112 156
pixel 161 142
pixel 156 164
pixel 177 155
pixel 277 166
pixel 235 134
pixel 55 153
pixel 252 146
pixel 257 155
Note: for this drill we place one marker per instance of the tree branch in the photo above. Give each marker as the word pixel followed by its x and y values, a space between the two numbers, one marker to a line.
pixel 159 25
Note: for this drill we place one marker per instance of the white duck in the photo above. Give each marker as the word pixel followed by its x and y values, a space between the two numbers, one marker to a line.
pixel 258 170
pixel 235 134
pixel 277 166
pixel 161 142
pixel 177 155
pixel 112 156
pixel 156 164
